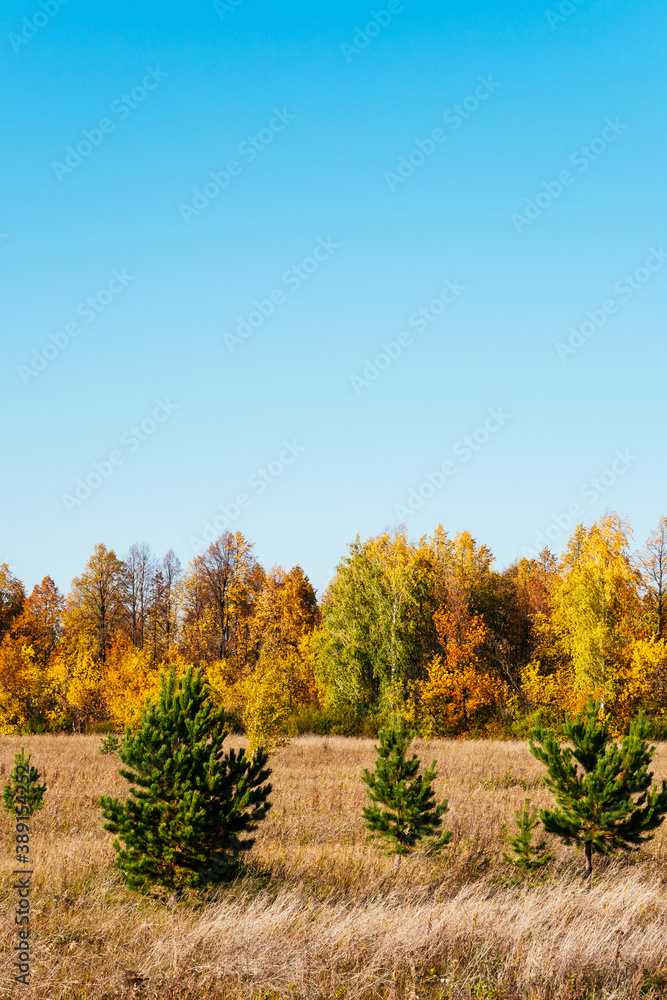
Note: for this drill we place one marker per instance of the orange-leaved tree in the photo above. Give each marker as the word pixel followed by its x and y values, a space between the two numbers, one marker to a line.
pixel 462 693
pixel 26 654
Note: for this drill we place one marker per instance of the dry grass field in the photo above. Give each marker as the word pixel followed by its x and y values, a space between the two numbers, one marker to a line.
pixel 322 913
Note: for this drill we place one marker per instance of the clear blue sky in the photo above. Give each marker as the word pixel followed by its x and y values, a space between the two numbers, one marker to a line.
pixel 114 114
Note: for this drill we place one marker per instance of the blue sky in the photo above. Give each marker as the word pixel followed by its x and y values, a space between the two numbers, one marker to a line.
pixel 369 160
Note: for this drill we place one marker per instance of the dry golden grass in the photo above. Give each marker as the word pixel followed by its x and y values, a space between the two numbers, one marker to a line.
pixel 321 913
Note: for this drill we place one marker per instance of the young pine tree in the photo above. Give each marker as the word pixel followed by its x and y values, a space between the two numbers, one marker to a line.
pixel 403 809
pixel 23 790
pixel 184 821
pixel 527 856
pixel 596 805
pixel 110 744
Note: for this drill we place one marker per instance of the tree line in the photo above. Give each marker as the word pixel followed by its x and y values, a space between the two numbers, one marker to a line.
pixel 428 629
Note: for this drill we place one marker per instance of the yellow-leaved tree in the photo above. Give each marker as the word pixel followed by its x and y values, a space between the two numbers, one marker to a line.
pixel 596 611
pixel 283 678
pixel 95 611
pixel 77 684
pixel 131 676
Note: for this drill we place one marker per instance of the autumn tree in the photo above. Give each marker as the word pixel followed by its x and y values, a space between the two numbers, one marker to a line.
pixel 26 653
pixel 464 576
pixel 285 615
pixel 40 623
pixel 282 678
pixel 139 569
pixel 644 682
pixel 595 605
pixel 163 607
pixel 534 581
pixel 441 555
pixel 219 595
pixel 131 676
pixel 541 666
pixel 146 643
pixel 653 567
pixel 12 596
pixel 471 572
pixel 376 622
pixel 524 590
pixel 285 610
pixel 95 608
pixel 94 623
pixel 461 690
pixel 78 684
pixel 503 601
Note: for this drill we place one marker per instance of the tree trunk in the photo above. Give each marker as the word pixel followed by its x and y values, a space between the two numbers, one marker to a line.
pixel 588 869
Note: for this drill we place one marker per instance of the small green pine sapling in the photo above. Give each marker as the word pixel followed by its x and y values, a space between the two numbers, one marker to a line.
pixel 594 782
pixel 527 856
pixel 403 809
pixel 23 787
pixel 111 744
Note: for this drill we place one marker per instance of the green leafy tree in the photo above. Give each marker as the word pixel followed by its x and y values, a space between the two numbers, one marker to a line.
pixel 527 856
pixel 596 804
pixel 23 788
pixel 190 806
pixel 403 809
pixel 377 625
